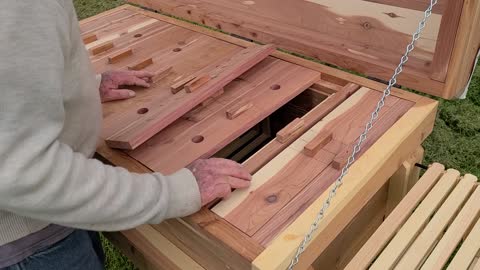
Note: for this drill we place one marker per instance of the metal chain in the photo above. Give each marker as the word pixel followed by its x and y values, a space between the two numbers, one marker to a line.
pixel 363 136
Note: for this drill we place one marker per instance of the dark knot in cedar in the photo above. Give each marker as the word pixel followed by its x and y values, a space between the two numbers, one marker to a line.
pixel 391 14
pixel 271 198
pixel 367 25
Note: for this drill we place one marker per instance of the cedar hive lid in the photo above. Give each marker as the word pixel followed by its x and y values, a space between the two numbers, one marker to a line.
pixel 367 36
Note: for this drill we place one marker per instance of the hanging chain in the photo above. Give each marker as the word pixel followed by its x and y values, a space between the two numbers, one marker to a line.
pixel 363 136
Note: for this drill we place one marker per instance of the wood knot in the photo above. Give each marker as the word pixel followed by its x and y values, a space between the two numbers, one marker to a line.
pixel 391 14
pixel 367 25
pixel 254 34
pixel 271 198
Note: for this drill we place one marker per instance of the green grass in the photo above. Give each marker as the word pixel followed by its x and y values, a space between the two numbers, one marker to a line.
pixel 455 141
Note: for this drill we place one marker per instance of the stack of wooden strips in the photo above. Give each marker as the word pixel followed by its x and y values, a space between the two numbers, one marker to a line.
pixel 436 226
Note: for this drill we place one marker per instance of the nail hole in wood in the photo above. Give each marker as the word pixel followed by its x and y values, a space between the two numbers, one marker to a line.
pixel 142 111
pixel 138 35
pixel 198 139
pixel 271 198
pixel 275 87
pixel 177 49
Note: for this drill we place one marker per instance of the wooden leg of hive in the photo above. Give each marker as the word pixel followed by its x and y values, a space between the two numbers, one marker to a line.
pixel 403 179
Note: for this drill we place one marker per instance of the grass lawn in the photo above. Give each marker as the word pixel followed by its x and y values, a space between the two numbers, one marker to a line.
pixel 455 141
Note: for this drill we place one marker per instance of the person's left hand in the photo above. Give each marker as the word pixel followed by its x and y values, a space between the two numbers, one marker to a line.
pixel 112 80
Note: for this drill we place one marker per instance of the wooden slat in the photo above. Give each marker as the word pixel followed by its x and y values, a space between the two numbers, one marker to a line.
pixel 424 243
pixel 396 219
pixel 143 129
pixel 117 57
pixel 446 39
pixel 469 249
pixel 101 48
pixel 404 179
pixel 314 146
pixel 89 38
pixel 456 231
pixel 141 65
pixel 417 221
pixel 284 134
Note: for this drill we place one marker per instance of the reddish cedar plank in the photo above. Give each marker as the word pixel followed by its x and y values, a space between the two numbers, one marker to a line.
pixel 119 56
pixel 446 39
pixel 196 83
pixel 322 139
pixel 310 193
pixel 89 38
pixel 238 109
pixel 141 65
pixel 101 48
pixel 134 134
pixel 284 134
pixel 161 73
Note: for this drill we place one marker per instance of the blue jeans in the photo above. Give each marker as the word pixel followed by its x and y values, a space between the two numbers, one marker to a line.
pixel 80 250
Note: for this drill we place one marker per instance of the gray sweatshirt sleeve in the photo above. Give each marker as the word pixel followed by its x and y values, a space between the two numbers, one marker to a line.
pixel 43 178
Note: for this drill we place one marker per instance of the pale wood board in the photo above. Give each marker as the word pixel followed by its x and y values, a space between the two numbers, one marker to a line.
pixel 426 240
pixel 456 231
pixel 404 179
pixel 396 219
pixel 469 249
pixel 394 251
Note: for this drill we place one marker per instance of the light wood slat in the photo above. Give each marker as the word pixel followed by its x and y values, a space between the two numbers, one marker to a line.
pixel 399 215
pixel 423 245
pixel 468 250
pixel 417 221
pixel 456 231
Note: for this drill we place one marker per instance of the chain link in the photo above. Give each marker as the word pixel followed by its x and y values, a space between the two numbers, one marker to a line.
pixel 363 136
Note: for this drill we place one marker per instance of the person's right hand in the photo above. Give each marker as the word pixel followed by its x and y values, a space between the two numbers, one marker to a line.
pixel 216 177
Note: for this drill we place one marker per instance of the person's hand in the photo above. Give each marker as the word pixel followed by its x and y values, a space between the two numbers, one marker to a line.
pixel 216 177
pixel 113 80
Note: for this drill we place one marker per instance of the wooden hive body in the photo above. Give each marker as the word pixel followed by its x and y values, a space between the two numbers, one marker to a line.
pixel 301 118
